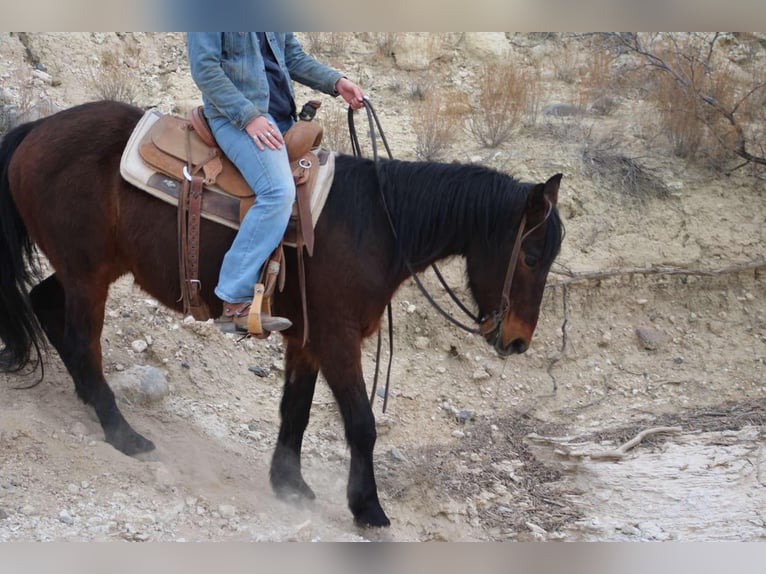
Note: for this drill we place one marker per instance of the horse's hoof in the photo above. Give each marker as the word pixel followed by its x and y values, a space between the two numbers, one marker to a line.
pixel 130 443
pixel 293 490
pixel 372 518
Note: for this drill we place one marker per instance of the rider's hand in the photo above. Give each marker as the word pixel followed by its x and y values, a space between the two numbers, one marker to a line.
pixel 350 92
pixel 265 133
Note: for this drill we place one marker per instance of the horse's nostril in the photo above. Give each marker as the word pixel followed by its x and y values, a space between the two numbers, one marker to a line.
pixel 518 346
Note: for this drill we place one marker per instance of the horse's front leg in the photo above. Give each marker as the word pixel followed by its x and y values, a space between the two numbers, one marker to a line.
pixel 344 375
pixel 300 382
pixel 72 321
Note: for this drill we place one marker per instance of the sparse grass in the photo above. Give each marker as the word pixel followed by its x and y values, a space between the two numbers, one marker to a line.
pixel 506 92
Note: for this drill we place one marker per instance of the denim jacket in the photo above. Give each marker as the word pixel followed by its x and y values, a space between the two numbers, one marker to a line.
pixel 229 70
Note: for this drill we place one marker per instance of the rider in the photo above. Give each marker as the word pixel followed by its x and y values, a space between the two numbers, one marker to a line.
pixel 246 84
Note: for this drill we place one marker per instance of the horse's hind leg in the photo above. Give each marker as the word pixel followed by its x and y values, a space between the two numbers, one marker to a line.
pixel 347 383
pixel 73 322
pixel 300 382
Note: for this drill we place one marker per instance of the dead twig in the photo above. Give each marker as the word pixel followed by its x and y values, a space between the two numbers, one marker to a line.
pixel 621 451
pixel 560 354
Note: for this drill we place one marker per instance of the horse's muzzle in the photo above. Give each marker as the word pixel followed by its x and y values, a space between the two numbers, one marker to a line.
pixel 515 347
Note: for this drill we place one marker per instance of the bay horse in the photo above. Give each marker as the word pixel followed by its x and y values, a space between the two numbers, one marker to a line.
pixel 61 192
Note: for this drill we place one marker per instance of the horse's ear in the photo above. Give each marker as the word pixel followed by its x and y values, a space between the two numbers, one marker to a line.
pixel 552 188
pixel 545 191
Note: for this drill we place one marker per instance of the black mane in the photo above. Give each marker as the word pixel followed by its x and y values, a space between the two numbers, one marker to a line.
pixel 437 208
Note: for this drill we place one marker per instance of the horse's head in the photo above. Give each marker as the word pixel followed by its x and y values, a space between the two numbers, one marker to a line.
pixel 508 284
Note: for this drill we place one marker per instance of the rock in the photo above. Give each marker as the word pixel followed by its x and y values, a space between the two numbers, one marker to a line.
pixel 66 518
pixel 562 110
pixel 417 51
pixel 483 44
pixel 45 77
pixel 716 328
pixel 227 511
pixel 421 343
pixel 464 416
pixel 259 371
pixel 28 510
pixel 79 430
pixel 396 454
pixel 140 383
pixel 163 476
pixel 480 374
pixel 3 514
pixel 139 346
pixel 649 339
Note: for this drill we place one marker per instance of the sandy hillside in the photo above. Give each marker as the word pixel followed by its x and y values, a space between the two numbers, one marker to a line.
pixel 472 447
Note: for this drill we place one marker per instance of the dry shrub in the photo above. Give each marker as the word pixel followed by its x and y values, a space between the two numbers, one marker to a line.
pixel 25 106
pixel 505 93
pixel 335 125
pixel 113 79
pixel 436 120
pixel 710 108
pixel 564 62
pixel 327 43
pixel 625 174
pixel 596 84
pixel 385 43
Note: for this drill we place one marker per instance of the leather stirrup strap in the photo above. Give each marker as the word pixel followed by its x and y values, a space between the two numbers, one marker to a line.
pixel 302 288
pixel 183 201
pixel 189 215
pixel 197 307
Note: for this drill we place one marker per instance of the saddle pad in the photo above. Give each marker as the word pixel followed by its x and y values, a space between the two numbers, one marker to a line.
pixel 217 205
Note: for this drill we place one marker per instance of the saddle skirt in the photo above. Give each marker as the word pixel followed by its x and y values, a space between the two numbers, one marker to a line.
pixel 226 195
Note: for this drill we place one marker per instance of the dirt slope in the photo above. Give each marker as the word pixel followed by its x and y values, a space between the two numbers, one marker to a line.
pixel 472 447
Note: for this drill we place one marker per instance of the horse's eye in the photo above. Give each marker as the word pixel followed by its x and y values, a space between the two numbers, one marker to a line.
pixel 531 261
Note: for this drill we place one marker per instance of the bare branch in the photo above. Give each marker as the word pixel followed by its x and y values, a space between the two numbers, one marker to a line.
pixel 574 277
pixel 622 450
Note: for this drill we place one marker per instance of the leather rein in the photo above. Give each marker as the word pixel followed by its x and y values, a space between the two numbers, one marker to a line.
pixel 487 324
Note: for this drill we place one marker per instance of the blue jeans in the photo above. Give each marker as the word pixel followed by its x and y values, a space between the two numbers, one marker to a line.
pixel 269 175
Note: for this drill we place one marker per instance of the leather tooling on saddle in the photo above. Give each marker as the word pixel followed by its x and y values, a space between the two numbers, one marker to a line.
pixel 222 197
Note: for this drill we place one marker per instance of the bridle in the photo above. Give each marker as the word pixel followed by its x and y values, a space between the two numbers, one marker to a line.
pixel 491 323
pixel 488 325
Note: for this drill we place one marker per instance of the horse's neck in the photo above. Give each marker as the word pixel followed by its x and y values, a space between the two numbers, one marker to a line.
pixel 440 219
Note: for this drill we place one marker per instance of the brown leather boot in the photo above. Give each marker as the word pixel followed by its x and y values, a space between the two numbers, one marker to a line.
pixel 235 314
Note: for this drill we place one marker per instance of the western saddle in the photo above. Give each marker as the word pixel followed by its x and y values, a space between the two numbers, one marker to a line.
pixel 185 150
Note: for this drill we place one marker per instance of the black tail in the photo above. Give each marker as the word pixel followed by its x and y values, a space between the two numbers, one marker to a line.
pixel 20 333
